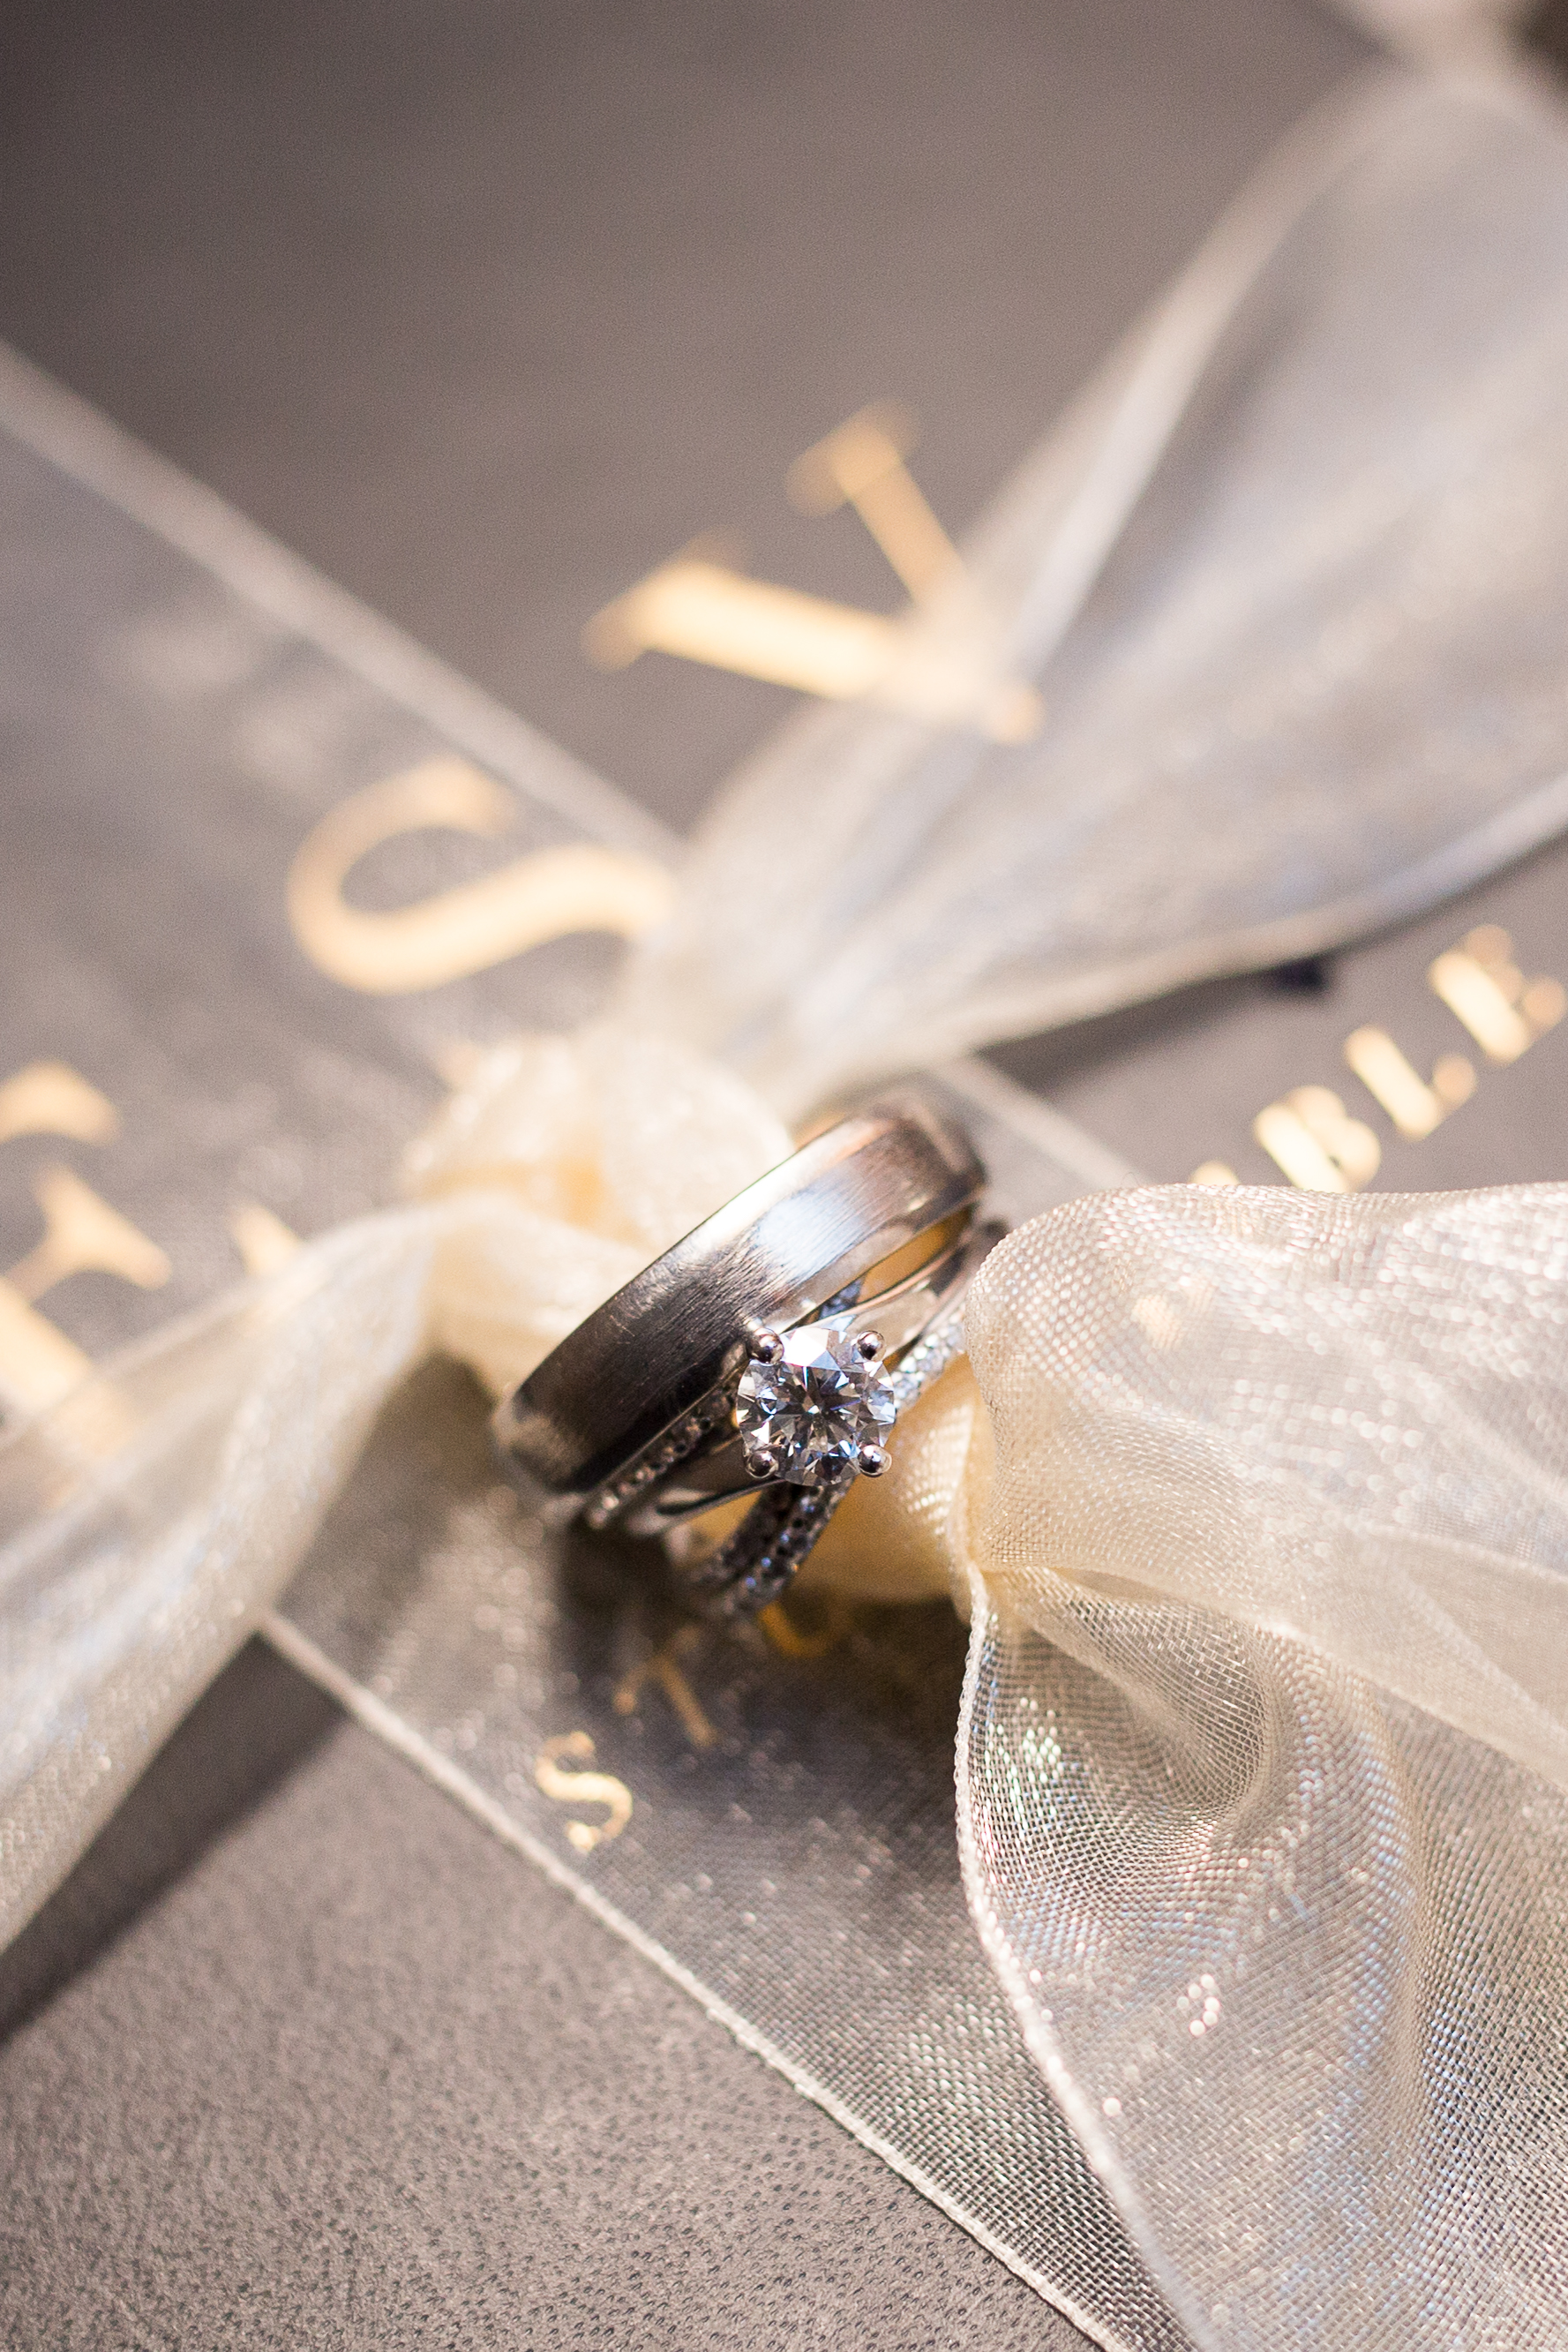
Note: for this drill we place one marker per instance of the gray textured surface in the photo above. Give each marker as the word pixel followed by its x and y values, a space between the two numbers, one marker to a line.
pixel 485 313
pixel 488 309
pixel 345 2071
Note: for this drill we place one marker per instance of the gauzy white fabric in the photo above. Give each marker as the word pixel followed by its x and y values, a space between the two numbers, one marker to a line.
pixel 146 1523
pixel 1265 1741
pixel 1261 1511
pixel 1291 583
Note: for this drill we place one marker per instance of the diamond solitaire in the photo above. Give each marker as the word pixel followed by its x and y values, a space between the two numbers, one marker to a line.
pixel 814 1405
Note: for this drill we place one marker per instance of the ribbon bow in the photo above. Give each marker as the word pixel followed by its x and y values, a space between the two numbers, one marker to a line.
pixel 1257 1500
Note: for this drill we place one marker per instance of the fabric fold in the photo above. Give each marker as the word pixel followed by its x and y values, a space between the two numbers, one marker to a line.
pixel 147 1520
pixel 1262 1764
pixel 1288 581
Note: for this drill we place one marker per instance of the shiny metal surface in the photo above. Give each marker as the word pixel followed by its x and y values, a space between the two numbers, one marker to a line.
pixel 902 1314
pixel 785 1246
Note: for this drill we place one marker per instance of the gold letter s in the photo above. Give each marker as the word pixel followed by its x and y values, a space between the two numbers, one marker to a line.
pixel 580 1788
pixel 576 886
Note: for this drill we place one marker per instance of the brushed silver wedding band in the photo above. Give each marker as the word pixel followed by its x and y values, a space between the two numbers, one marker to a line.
pixel 780 1250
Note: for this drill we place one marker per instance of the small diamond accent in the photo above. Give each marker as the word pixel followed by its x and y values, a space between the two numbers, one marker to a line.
pixel 806 1416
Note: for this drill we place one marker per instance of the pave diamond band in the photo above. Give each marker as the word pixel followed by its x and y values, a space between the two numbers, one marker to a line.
pixel 769 1352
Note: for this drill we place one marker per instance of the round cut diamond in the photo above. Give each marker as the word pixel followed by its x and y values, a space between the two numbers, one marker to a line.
pixel 814 1408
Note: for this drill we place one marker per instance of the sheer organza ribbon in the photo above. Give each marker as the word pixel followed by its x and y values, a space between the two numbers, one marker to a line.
pixel 1257 1501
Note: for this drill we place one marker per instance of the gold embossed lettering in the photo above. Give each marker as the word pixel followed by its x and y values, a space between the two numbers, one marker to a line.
pixel 699 607
pixel 50 1099
pixel 83 1234
pixel 575 886
pixel 1314 1140
pixel 808 1625
pixel 577 1787
pixel 1481 984
pixel 1414 1106
pixel 38 1365
pixel 663 1666
pixel 861 464
pixel 263 1240
pixel 704 612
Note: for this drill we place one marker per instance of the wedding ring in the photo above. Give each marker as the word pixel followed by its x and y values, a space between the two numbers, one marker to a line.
pixel 748 1356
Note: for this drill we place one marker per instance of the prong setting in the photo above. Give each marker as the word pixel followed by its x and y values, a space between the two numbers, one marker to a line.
pixel 872 1460
pixel 807 1411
